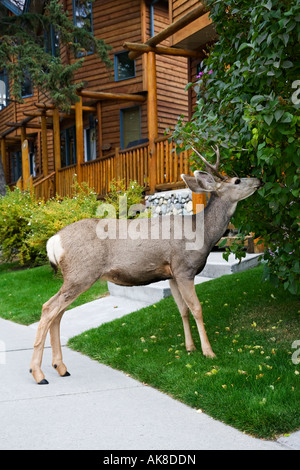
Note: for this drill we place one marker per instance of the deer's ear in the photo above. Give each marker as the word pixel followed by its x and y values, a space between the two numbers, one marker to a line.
pixel 205 181
pixel 192 183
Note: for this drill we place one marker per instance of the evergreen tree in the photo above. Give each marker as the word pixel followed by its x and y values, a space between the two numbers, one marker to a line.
pixel 23 52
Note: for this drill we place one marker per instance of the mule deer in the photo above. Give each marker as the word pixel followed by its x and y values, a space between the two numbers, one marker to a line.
pixel 84 258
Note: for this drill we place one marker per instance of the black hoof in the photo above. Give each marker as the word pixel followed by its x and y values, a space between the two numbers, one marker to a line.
pixel 67 374
pixel 43 382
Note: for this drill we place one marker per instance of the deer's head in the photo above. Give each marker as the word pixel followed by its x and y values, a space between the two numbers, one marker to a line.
pixel 233 189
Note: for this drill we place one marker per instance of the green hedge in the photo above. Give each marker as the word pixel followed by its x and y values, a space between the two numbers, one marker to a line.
pixel 26 224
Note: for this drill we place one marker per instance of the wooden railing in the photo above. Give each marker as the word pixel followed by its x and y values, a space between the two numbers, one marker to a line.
pixel 170 165
pixel 65 180
pixel 133 165
pixel 44 188
pixel 128 165
pixel 99 173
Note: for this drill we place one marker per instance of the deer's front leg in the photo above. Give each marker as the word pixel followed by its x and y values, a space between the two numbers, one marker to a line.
pixel 188 292
pixel 185 315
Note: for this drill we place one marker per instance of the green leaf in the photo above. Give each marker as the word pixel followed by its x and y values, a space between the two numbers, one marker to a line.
pixel 268 5
pixel 278 114
pixel 287 64
pixel 268 118
pixel 244 45
pixel 287 117
pixel 222 243
pixel 257 99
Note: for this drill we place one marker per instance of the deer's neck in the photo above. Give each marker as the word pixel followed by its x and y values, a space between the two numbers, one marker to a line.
pixel 217 215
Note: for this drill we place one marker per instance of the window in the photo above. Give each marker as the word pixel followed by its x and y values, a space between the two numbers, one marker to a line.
pixel 52 42
pixel 83 18
pixel 130 121
pixel 4 90
pixel 124 67
pixel 90 140
pixel 27 88
pixel 16 165
pixel 68 146
pixel 82 14
pixel 32 160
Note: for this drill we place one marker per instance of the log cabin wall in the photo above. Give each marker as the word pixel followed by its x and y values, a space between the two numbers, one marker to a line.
pixel 115 22
pixel 179 8
pixel 14 113
pixel 172 77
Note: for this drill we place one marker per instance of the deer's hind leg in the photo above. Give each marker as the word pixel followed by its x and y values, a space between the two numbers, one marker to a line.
pixel 185 314
pixel 52 312
pixel 57 361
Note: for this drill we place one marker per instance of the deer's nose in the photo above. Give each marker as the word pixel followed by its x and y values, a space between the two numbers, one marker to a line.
pixel 261 183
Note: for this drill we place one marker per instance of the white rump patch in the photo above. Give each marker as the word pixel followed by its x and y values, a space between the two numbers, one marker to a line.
pixel 54 249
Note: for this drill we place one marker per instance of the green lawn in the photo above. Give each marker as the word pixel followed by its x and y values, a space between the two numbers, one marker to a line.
pixel 23 292
pixel 253 383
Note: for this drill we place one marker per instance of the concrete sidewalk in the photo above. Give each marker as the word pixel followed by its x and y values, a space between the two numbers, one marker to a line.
pixel 98 407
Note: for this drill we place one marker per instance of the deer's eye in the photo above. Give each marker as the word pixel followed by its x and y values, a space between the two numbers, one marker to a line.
pixel 237 181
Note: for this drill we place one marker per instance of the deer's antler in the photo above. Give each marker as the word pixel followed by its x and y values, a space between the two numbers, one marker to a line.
pixel 214 167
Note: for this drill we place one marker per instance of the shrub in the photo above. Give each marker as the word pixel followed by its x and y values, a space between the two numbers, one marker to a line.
pixel 26 224
pixel 248 98
pixel 133 193
pixel 16 209
pixel 50 217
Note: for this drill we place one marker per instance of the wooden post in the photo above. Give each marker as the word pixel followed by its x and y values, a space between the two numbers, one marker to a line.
pixel 44 144
pixel 23 134
pixel 99 118
pixel 25 164
pixel 56 138
pixel 173 28
pixel 45 151
pixel 152 119
pixel 79 138
pixel 200 198
pixel 3 156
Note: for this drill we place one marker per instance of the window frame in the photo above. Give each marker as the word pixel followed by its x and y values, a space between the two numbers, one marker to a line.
pixel 81 54
pixel 50 42
pixel 29 79
pixel 66 133
pixel 116 56
pixel 3 72
pixel 122 110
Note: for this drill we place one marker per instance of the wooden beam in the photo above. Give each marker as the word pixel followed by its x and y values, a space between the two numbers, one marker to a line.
pixel 161 50
pixel 44 106
pixel 56 138
pixel 23 134
pixel 102 96
pixel 39 114
pixel 24 122
pixel 44 144
pixel 79 139
pixel 18 138
pixel 152 119
pixel 144 36
pixel 30 125
pixel 3 156
pixel 199 199
pixel 25 163
pixel 172 28
pixel 100 137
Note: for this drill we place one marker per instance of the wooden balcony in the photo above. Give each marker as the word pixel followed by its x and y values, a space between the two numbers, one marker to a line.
pixel 128 165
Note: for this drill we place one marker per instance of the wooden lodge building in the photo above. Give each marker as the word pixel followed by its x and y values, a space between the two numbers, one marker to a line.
pixel 117 128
